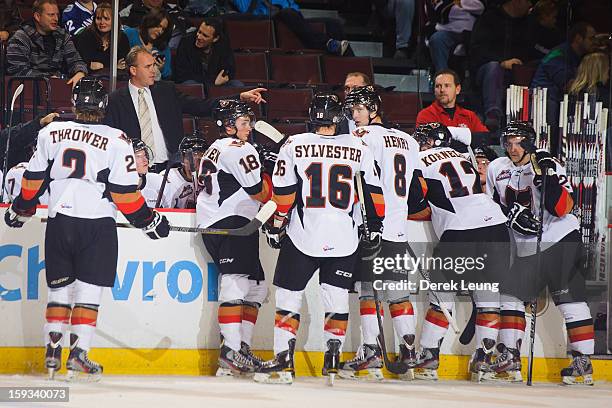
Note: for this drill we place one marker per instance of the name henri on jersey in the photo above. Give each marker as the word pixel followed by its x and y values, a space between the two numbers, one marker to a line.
pixel 80 135
pixel 394 141
pixel 328 151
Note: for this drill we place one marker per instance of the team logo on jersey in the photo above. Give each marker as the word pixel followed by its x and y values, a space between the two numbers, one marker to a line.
pixel 236 143
pixel 328 248
pixel 344 274
pixel 360 132
pixel 505 174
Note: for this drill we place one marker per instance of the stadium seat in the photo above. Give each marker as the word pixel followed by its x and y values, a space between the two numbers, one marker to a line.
pixel 288 103
pixel 228 91
pixel 287 40
pixel 196 90
pixel 300 69
pixel 336 68
pixel 250 34
pixel 400 107
pixel 251 67
pixel 522 74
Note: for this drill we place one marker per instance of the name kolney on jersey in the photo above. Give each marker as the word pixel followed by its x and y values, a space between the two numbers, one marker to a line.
pixel 82 135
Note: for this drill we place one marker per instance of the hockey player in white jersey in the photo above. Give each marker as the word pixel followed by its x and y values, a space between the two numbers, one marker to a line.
pixel 150 183
pixel 515 183
pixel 468 224
pixel 314 229
pixel 90 171
pixel 396 155
pixel 13 183
pixel 182 188
pixel 233 188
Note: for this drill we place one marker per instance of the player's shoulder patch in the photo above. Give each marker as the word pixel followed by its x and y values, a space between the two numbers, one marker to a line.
pixel 360 132
pixel 287 142
pixel 126 139
pixel 236 143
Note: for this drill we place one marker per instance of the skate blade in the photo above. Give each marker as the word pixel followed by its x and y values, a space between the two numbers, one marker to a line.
pixel 584 380
pixel 482 376
pixel 331 377
pixel 425 374
pixel 371 374
pixel 283 377
pixel 51 373
pixel 508 376
pixel 226 372
pixel 409 375
pixel 78 376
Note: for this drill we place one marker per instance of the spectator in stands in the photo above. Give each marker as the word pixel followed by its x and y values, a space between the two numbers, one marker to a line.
pixel 9 19
pixel 93 43
pixel 206 57
pixel 499 41
pixel 133 14
pixel 445 110
pixel 78 16
pixel 559 67
pixel 23 135
pixel 41 47
pixel 154 33
pixel 153 111
pixel 543 28
pixel 403 13
pixel 288 12
pixel 353 80
pixel 454 21
pixel 592 77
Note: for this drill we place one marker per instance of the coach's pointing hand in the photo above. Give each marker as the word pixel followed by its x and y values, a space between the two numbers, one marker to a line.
pixel 254 95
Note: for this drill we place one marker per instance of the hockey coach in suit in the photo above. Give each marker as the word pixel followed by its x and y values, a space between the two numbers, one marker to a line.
pixel 153 111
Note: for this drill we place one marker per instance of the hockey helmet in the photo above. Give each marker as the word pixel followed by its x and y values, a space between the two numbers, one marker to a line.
pixel 485 152
pixel 523 130
pixel 325 109
pixel 229 110
pixel 89 95
pixel 192 144
pixel 432 134
pixel 139 145
pixel 363 95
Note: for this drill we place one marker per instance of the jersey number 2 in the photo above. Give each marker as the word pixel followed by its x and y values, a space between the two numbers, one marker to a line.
pixel 75 159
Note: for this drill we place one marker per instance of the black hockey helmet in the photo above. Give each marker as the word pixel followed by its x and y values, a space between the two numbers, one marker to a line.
pixel 89 95
pixel 434 134
pixel 485 152
pixel 520 129
pixel 325 109
pixel 363 95
pixel 228 110
pixel 139 145
pixel 192 144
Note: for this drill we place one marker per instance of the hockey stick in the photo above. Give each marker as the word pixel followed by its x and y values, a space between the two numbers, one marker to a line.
pixel 262 216
pixel 470 328
pixel 160 194
pixel 18 92
pixel 451 320
pixel 269 131
pixel 534 303
pixel 396 367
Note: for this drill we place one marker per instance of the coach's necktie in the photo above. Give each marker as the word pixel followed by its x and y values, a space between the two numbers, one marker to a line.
pixel 144 118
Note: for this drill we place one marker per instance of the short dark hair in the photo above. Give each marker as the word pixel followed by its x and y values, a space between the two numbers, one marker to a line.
pixel 214 23
pixel 447 71
pixel 38 5
pixel 578 29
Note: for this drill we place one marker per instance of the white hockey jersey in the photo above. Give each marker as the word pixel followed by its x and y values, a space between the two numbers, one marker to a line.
pixel 508 183
pixel 314 175
pixel 150 184
pixel 230 173
pixel 455 194
pixel 179 191
pixel 90 170
pixel 396 155
pixel 13 183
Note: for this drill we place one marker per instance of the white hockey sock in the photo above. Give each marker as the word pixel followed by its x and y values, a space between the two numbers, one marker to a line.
pixel 402 316
pixel 579 325
pixel 369 323
pixel 249 318
pixel 487 325
pixel 512 322
pixel 230 322
pixel 435 327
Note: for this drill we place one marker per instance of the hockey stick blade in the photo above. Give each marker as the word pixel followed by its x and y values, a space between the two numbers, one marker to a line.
pixel 269 131
pixel 18 92
pixel 468 333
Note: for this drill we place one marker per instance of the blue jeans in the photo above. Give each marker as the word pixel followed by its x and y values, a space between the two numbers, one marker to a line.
pixel 491 78
pixel 403 11
pixel 441 44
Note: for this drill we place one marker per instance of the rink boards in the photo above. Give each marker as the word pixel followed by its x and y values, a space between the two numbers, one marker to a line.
pixel 160 317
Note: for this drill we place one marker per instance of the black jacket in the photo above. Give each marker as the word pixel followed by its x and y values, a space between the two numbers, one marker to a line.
pixel 189 61
pixel 22 135
pixel 497 37
pixel 170 105
pixel 89 48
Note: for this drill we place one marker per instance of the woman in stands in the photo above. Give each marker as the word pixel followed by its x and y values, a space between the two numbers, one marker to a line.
pixel 93 43
pixel 154 33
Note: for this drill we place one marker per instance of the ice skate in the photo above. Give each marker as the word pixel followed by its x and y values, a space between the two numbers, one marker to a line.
pixel 407 354
pixel 81 368
pixel 280 370
pixel 580 370
pixel 233 363
pixel 480 366
pixel 331 360
pixel 53 356
pixel 368 361
pixel 427 363
pixel 507 365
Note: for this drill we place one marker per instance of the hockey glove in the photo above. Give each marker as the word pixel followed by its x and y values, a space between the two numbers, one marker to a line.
pixel 158 228
pixel 13 219
pixel 521 220
pixel 545 161
pixel 275 230
pixel 267 158
pixel 369 247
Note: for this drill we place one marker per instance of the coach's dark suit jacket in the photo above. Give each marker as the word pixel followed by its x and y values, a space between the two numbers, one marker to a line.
pixel 170 105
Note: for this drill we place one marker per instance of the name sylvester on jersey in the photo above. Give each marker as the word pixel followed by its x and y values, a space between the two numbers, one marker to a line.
pixel 328 151
pixel 435 156
pixel 82 135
